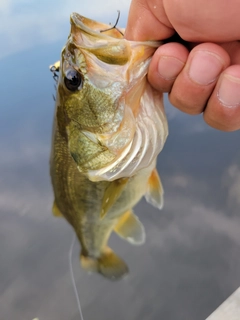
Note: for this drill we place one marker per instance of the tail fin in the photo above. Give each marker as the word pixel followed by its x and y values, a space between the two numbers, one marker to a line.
pixel 108 264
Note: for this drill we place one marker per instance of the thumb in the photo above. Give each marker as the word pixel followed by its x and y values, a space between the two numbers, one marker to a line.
pixel 143 24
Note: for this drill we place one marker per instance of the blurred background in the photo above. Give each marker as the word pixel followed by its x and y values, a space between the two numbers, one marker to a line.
pixel 190 262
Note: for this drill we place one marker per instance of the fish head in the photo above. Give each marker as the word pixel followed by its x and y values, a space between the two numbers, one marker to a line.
pixel 101 83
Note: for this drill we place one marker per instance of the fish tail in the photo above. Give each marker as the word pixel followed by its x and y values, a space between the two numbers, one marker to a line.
pixel 108 264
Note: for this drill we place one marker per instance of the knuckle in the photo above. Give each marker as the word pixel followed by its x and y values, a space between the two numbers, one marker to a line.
pixel 186 104
pixel 222 118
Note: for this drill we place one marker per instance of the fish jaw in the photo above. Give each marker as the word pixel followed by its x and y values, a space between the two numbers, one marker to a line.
pixel 104 121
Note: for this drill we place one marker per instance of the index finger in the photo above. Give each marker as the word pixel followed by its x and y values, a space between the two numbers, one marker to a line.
pixel 143 24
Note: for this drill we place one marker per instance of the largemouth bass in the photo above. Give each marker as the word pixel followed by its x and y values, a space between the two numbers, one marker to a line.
pixel 109 127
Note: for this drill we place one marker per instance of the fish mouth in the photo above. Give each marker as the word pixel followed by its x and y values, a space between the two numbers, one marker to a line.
pixel 107 44
pixel 94 28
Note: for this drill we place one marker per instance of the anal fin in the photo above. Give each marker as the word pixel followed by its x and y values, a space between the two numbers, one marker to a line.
pixel 154 194
pixel 130 228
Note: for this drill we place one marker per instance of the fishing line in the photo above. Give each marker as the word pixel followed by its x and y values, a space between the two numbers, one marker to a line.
pixel 72 276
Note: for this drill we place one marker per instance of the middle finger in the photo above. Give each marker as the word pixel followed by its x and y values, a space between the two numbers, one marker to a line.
pixel 195 83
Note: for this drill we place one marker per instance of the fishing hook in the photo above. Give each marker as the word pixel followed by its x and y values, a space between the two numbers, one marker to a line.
pixel 115 25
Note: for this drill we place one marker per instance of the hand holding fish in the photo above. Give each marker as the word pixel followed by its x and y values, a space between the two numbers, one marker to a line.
pixel 206 78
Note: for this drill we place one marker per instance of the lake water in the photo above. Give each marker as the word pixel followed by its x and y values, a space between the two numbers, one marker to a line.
pixel 190 262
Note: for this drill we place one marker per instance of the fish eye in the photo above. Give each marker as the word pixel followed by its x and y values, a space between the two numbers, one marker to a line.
pixel 73 80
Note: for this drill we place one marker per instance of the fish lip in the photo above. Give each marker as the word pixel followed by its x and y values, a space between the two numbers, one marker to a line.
pixel 95 29
pixel 90 26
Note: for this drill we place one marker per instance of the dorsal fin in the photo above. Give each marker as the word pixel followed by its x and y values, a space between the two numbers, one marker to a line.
pixel 55 210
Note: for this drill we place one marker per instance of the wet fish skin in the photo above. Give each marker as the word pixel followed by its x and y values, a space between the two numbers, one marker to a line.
pixel 103 150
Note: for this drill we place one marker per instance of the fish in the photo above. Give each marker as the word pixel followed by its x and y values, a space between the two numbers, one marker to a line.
pixel 109 127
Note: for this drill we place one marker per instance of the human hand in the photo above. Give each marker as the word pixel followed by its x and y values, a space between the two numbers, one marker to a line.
pixel 206 78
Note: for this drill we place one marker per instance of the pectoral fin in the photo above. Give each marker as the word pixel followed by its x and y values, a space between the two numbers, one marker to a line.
pixel 55 211
pixel 130 228
pixel 111 194
pixel 154 194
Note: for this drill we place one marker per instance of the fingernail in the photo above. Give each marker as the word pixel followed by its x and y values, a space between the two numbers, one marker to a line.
pixel 229 91
pixel 204 67
pixel 169 67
